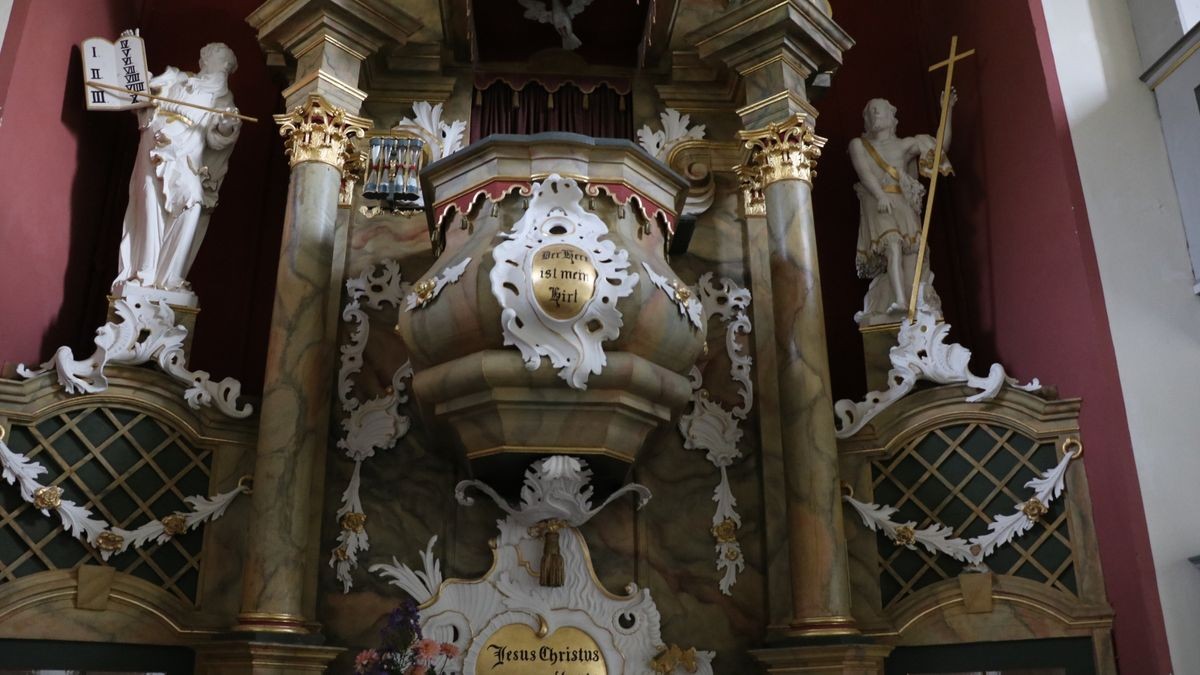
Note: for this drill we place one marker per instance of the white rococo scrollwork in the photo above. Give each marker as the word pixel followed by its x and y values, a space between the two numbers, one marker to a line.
pixel 923 354
pixel 627 628
pixel 710 427
pixel 937 537
pixel 145 332
pixel 574 345
pixel 371 426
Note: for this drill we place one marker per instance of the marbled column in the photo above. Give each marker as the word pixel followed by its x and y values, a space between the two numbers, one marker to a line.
pixel 298 382
pixel 785 155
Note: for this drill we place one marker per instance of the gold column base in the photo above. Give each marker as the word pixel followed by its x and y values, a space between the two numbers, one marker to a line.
pixel 262 658
pixel 263 622
pixel 849 659
pixel 822 626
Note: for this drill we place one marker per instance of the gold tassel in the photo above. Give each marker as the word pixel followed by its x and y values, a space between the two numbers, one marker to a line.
pixel 516 99
pixel 553 570
pixel 478 97
pixel 585 100
pixel 550 101
pixel 621 105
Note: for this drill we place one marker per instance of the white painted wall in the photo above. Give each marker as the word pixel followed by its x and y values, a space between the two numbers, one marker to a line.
pixel 1189 13
pixel 1147 280
pixel 6 11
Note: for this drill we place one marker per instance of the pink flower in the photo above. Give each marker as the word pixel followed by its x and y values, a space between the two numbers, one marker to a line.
pixel 449 650
pixel 365 660
pixel 418 670
pixel 426 651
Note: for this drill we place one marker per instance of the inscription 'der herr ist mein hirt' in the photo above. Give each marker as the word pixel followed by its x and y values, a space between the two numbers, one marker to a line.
pixel 517 649
pixel 564 280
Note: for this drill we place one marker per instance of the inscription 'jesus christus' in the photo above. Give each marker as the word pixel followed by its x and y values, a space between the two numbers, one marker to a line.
pixel 517 649
pixel 563 279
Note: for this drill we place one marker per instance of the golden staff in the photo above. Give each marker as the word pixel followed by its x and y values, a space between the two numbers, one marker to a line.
pixel 153 97
pixel 937 165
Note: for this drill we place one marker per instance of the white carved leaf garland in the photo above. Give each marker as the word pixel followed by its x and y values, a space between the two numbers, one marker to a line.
pixel 144 332
pixel 17 469
pixel 555 217
pixel 710 427
pixel 923 354
pixel 627 629
pixel 939 538
pixel 374 425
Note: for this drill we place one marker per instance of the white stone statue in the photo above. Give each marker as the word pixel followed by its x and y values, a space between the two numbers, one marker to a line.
pixel 182 159
pixel 891 199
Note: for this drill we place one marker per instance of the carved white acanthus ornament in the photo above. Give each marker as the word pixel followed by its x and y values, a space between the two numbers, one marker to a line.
pixel 426 123
pixel 558 283
pixel 146 332
pixel 626 628
pixel 710 427
pixel 675 131
pixel 922 353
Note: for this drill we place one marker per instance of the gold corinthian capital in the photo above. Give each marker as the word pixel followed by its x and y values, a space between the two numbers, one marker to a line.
pixel 319 132
pixel 750 182
pixel 785 150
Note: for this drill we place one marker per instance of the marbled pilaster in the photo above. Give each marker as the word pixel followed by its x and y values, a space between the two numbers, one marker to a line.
pixel 295 408
pixel 820 583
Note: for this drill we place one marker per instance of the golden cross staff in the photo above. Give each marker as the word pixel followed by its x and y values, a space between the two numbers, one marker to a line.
pixel 948 64
pixel 155 97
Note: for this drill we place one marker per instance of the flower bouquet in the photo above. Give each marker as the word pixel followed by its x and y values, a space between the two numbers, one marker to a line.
pixel 404 650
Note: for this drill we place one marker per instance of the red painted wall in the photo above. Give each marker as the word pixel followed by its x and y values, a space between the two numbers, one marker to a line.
pixel 62 202
pixel 1011 244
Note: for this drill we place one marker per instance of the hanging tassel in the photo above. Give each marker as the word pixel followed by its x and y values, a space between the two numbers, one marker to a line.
pixel 550 101
pixel 478 97
pixel 585 100
pixel 516 98
pixel 621 105
pixel 553 569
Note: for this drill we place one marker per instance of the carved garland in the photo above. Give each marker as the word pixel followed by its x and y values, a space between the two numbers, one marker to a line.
pixel 923 354
pixel 78 522
pixel 710 427
pixel 145 332
pixel 625 628
pixel 558 283
pixel 374 425
pixel 937 537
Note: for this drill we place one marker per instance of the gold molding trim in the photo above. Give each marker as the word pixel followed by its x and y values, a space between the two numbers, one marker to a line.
pixel 329 39
pixel 319 132
pixel 322 76
pixel 786 94
pixel 743 22
pixel 785 150
pixel 269 622
pixel 1175 66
